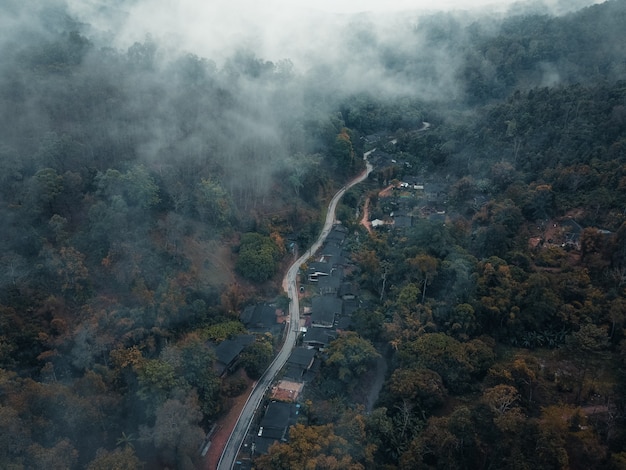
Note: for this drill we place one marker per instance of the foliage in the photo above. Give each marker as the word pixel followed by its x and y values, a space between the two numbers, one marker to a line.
pixel 349 356
pixel 256 357
pixel 258 257
pixel 117 167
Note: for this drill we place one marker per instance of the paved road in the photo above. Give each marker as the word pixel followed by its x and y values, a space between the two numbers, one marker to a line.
pixel 240 430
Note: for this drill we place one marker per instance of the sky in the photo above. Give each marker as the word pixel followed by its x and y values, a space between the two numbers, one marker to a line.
pixel 355 6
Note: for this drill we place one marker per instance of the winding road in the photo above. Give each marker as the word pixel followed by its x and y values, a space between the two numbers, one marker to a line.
pixel 242 427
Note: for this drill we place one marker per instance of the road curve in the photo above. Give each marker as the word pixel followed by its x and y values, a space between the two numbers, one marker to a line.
pixel 227 460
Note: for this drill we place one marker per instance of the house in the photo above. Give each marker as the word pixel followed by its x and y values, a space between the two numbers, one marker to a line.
pixel 337 234
pixel 330 284
pixel 262 318
pixel 300 361
pixel 274 426
pixel 402 219
pixel 287 391
pixel 318 338
pixel 348 291
pixel 350 306
pixel 373 139
pixel 227 352
pixel 572 231
pixel 332 253
pixel 380 159
pixel 317 269
pixel 377 223
pixel 435 192
pixel 324 309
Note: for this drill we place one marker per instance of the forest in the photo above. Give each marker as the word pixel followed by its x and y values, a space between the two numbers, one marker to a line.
pixel 148 198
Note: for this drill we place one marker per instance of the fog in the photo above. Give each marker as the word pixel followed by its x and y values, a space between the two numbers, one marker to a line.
pixel 303 31
pixel 280 63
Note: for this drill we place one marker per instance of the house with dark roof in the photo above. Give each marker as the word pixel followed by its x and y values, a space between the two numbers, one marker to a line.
pixel 572 231
pixel 348 290
pixel 274 426
pixel 435 192
pixel 380 159
pixel 324 309
pixel 337 234
pixel 228 351
pixel 333 254
pixel 330 284
pixel 262 318
pixel 318 338
pixel 300 361
pixel 373 139
pixel 317 269
pixel 402 219
pixel 344 323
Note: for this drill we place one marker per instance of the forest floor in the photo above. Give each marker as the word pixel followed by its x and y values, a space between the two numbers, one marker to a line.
pixel 224 427
pixel 212 260
pixel 376 383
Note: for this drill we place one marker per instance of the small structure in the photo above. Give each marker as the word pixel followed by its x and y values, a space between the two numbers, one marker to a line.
pixel 227 352
pixel 324 310
pixel 348 291
pixel 278 418
pixel 572 231
pixel 287 391
pixel 402 219
pixel 337 234
pixel 299 363
pixel 330 284
pixel 435 192
pixel 262 318
pixel 377 223
pixel 318 338
pixel 318 269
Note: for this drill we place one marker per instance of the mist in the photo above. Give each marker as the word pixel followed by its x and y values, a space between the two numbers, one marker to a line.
pixel 236 87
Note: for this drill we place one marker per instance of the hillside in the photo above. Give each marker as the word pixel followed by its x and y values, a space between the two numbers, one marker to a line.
pixel 152 197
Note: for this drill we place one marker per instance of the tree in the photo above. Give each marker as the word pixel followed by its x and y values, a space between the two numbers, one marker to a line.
pixel 442 354
pixel 350 356
pixel 45 187
pixel 118 459
pixel 343 153
pixel 309 448
pixel 213 203
pixel 176 433
pixel 258 257
pixel 422 387
pixel 61 455
pixel 426 267
pixel 585 347
pixel 256 357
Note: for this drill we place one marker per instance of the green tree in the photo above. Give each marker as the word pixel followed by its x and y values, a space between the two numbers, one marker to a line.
pixel 349 357
pixel 442 354
pixel 118 459
pixel 258 257
pixel 256 357
pixel 422 387
pixel 426 267
pixel 213 203
pixel 177 434
pixel 309 448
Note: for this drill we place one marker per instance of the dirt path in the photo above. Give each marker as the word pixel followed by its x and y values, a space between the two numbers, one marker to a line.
pixel 223 428
pixel 365 220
